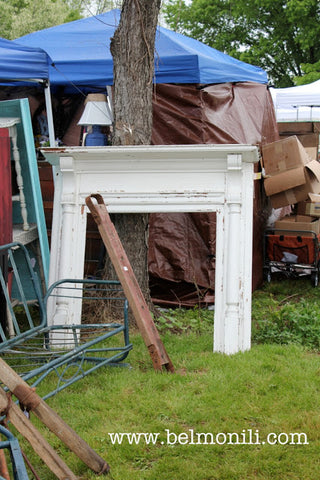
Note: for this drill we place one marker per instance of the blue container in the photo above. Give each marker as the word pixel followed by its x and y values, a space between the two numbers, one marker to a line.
pixel 96 138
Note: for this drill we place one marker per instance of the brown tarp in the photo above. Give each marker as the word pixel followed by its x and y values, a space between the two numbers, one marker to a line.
pixel 182 245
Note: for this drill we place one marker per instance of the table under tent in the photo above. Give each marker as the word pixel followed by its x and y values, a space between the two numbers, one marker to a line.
pixel 297 104
pixel 205 96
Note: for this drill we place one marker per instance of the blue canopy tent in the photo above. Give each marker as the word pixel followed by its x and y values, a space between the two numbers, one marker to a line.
pixel 81 54
pixel 23 65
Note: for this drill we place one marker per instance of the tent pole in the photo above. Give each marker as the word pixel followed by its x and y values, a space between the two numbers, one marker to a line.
pixel 49 114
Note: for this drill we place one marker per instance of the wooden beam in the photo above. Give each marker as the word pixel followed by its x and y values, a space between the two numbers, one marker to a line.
pixel 129 284
pixel 36 440
pixel 28 397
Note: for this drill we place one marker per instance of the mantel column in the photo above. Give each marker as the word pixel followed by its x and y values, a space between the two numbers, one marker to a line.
pixel 234 233
pixel 68 241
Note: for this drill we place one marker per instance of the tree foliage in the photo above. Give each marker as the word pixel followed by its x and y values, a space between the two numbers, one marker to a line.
pixel 20 17
pixel 311 73
pixel 277 35
pixel 94 7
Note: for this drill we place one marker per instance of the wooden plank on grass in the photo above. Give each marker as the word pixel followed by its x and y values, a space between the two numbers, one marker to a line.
pixel 36 440
pixel 29 398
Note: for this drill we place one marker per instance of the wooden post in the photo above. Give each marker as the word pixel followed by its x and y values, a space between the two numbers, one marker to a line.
pixel 4 472
pixel 129 284
pixel 28 397
pixel 36 440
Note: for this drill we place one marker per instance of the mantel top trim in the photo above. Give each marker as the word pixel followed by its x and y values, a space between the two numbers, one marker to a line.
pixel 249 153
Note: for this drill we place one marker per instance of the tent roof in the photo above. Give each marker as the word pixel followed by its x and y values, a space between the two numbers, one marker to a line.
pixel 81 53
pixel 22 62
pixel 300 103
pixel 303 95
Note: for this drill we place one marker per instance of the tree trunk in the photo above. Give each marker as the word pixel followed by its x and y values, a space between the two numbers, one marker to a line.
pixel 132 229
pixel 132 48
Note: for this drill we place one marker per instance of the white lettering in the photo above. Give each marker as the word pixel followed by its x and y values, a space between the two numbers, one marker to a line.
pixel 134 438
pixel 269 439
pixel 169 435
pixel 223 435
pixel 299 435
pixel 246 437
pixel 206 436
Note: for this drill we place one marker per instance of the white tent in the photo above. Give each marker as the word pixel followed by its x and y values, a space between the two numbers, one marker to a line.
pixel 300 103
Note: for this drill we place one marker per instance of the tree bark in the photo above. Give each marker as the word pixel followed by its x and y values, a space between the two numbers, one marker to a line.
pixel 132 48
pixel 132 229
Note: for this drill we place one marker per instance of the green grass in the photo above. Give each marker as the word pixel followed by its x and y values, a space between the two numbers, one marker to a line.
pixel 287 312
pixel 274 387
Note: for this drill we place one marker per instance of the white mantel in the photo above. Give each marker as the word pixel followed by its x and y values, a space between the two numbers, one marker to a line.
pixel 179 178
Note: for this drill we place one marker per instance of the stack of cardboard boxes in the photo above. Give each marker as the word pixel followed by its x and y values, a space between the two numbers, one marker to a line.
pixel 292 177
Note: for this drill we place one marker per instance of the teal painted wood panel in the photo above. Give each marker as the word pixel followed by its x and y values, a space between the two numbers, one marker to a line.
pixel 29 169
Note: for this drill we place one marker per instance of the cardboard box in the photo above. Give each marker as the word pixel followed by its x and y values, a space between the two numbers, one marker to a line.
pixel 306 132
pixel 295 223
pixel 298 128
pixel 290 173
pixel 304 218
pixel 284 155
pixel 310 207
pixel 310 143
pixel 307 180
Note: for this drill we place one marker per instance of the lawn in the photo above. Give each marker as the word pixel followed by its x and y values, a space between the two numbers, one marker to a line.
pixel 271 389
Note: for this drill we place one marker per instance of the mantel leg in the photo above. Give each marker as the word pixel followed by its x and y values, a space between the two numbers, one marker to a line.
pixel 71 263
pixel 233 282
pixel 232 324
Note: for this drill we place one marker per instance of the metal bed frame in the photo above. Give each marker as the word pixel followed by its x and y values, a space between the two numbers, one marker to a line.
pixel 11 443
pixel 35 349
